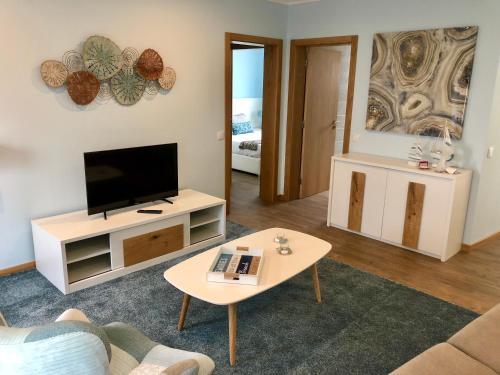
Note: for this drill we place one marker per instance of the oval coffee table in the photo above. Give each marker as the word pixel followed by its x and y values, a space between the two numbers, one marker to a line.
pixel 190 276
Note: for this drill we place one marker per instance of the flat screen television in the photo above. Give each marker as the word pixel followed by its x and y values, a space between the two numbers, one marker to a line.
pixel 129 176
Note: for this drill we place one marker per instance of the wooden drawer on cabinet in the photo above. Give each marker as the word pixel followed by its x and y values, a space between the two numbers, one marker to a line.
pixel 154 244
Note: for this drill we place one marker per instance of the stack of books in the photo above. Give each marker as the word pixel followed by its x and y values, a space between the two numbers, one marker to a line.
pixel 240 265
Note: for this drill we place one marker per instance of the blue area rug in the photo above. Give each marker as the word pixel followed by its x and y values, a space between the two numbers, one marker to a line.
pixel 366 324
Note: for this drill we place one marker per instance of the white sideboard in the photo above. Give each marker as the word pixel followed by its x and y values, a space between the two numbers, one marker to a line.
pixel 75 251
pixel 388 200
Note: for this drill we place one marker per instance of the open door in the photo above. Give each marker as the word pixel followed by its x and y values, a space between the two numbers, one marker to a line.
pixel 320 118
pixel 270 114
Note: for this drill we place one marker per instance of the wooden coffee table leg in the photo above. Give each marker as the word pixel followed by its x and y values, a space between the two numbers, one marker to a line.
pixel 184 309
pixel 315 278
pixel 232 332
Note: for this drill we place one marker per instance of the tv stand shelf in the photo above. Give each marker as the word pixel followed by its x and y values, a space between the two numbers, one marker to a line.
pixel 75 251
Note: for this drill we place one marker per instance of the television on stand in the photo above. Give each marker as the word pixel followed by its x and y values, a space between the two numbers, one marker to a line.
pixel 125 177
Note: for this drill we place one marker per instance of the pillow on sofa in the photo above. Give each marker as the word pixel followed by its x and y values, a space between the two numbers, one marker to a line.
pixel 67 347
pixel 242 127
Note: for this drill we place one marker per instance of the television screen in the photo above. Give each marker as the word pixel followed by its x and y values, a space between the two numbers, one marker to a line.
pixel 124 177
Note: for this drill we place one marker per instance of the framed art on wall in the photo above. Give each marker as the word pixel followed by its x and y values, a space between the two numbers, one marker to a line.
pixel 419 81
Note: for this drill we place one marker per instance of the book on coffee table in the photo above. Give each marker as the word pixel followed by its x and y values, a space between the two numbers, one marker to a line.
pixel 236 265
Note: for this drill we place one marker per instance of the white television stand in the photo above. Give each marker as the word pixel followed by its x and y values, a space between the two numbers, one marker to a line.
pixel 75 251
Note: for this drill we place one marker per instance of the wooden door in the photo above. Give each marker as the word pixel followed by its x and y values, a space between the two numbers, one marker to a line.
pixel 320 115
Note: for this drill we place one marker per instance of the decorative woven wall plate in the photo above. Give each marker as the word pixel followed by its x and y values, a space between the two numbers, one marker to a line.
pixel 82 87
pixel 73 60
pixel 167 78
pixel 104 92
pixel 130 56
pixel 150 65
pixel 53 73
pixel 152 88
pixel 127 87
pixel 102 57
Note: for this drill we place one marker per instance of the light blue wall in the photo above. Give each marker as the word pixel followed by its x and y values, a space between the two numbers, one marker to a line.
pixel 366 17
pixel 248 73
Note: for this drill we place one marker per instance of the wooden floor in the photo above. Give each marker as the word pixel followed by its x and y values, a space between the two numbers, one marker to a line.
pixel 470 279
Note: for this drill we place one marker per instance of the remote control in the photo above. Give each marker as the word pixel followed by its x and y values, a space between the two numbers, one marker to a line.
pixel 149 211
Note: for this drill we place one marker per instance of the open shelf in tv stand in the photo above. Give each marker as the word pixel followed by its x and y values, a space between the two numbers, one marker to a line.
pixel 75 251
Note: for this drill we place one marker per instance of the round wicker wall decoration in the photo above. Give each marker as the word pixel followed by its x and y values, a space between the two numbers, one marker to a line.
pixel 83 87
pixel 130 56
pixel 102 57
pixel 73 60
pixel 152 88
pixel 104 93
pixel 127 87
pixel 167 78
pixel 150 65
pixel 53 73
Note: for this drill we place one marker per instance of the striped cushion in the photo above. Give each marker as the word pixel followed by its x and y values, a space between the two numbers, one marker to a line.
pixel 129 339
pixel 72 353
pixel 68 326
pixel 66 347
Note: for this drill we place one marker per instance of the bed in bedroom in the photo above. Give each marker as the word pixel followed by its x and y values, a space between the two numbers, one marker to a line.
pixel 247 134
pixel 246 151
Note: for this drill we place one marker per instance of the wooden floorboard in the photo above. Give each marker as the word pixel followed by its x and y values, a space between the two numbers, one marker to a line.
pixel 470 279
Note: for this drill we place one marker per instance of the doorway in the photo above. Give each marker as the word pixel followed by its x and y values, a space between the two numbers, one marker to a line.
pixel 246 122
pixel 251 157
pixel 321 88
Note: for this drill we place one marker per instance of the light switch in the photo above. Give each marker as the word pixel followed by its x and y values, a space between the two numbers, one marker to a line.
pixel 489 154
pixel 220 135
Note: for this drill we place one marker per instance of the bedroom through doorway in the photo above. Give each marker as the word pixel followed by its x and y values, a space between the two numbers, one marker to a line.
pixel 252 109
pixel 246 121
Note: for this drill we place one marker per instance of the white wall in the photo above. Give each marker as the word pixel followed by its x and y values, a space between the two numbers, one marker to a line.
pixel 43 134
pixel 366 17
pixel 486 221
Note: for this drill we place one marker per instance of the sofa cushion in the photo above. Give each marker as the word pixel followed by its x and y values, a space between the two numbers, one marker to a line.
pixel 129 339
pixel 480 339
pixel 165 357
pixel 185 367
pixel 65 327
pixel 79 353
pixel 443 359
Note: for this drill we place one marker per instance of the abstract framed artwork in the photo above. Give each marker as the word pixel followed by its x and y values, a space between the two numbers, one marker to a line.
pixel 419 81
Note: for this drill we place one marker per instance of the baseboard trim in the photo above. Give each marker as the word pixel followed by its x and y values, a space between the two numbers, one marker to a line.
pixel 18 268
pixel 475 245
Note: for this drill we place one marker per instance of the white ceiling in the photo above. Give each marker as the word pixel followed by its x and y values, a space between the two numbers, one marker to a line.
pixel 293 2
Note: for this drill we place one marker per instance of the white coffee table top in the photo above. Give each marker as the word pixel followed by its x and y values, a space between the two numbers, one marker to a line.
pixel 190 275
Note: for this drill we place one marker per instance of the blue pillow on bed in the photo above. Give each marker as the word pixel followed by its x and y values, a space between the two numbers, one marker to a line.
pixel 242 127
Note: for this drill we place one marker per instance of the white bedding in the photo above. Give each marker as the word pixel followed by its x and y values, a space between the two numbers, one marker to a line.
pixel 237 139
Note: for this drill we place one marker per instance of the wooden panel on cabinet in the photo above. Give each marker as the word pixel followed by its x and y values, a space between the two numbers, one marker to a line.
pixel 154 244
pixel 356 200
pixel 413 216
